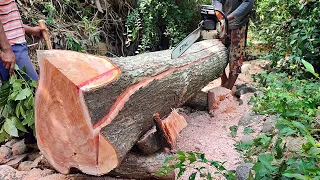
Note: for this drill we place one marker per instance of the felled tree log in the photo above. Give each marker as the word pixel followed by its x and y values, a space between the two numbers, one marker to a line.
pixel 90 111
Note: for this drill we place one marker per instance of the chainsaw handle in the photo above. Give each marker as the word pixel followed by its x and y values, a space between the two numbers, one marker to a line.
pixel 225 18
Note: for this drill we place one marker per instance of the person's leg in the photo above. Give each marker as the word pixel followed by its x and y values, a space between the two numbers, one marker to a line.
pixel 224 79
pixel 237 54
pixel 23 60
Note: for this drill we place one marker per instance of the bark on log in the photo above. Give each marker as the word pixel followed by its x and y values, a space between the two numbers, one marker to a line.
pixel 150 143
pixel 90 111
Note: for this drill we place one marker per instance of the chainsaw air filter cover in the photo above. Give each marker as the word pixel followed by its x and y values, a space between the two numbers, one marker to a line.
pixel 209 18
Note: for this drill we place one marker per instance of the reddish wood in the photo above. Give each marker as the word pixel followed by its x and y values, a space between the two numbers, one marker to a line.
pixel 170 127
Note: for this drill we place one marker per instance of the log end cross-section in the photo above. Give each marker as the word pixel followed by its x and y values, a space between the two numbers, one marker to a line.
pixel 90 111
pixel 64 130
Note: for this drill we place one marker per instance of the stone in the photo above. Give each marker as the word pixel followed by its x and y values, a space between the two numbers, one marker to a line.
pixel 269 124
pixel 19 148
pixel 26 166
pixel 9 173
pixel 11 142
pixel 243 171
pixel 33 156
pixel 42 162
pixel 36 173
pixel 243 91
pixel 14 161
pixel 5 153
pixel 249 118
pixel 246 138
pixel 294 144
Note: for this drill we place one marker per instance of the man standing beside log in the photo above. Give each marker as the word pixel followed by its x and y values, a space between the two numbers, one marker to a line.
pixel 237 12
pixel 13 44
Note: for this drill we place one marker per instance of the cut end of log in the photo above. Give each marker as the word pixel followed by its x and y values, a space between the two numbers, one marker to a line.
pixel 64 129
pixel 171 127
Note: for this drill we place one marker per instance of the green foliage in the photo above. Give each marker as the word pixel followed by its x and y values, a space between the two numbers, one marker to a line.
pixel 198 163
pixel 233 130
pixel 248 130
pixel 296 102
pixel 155 24
pixel 291 29
pixel 17 105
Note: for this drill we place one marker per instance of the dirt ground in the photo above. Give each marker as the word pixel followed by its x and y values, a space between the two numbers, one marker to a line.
pixel 211 135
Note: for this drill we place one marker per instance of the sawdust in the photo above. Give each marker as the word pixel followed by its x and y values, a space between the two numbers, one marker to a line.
pixel 211 135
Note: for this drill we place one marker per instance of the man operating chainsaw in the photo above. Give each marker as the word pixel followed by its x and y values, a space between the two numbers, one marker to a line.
pixel 237 12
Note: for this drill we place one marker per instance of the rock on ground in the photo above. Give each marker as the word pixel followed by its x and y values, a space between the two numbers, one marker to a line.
pixel 19 148
pixel 243 171
pixel 5 153
pixel 269 125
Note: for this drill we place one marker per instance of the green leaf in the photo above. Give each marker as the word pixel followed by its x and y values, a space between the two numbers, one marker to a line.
pixel 30 117
pixel 18 110
pixel 181 153
pixel 248 130
pixel 22 111
pixel 309 68
pixel 10 128
pixel 193 176
pixel 287 131
pixel 17 123
pixel 233 130
pixel 311 140
pixel 296 176
pixel 23 94
pixel 34 83
pixel 181 171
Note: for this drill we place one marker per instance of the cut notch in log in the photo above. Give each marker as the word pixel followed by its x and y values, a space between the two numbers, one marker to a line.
pixel 170 127
pixel 90 111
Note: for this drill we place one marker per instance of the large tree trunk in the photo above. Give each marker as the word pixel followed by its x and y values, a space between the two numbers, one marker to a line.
pixel 90 111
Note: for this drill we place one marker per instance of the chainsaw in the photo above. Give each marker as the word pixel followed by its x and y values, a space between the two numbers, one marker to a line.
pixel 210 27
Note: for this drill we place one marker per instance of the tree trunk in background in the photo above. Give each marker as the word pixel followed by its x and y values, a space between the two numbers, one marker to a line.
pixel 90 111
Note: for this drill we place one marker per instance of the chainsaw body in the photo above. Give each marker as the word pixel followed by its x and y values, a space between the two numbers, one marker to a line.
pixel 210 27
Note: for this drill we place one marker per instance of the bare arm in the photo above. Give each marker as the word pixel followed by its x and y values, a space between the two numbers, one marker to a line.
pixel 34 31
pixel 7 56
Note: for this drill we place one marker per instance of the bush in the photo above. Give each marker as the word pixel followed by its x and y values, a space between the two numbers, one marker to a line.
pixel 17 105
pixel 291 29
pixel 158 25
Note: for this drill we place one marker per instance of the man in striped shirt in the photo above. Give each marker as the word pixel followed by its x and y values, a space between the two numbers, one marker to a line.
pixel 12 41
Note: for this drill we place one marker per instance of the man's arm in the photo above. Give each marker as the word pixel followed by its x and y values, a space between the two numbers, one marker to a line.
pixel 217 4
pixel 242 11
pixel 34 31
pixel 7 56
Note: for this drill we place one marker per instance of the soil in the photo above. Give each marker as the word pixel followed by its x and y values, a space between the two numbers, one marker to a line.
pixel 211 135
